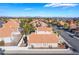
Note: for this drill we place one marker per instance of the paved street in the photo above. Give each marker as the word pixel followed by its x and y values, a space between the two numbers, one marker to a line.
pixel 70 39
pixel 73 42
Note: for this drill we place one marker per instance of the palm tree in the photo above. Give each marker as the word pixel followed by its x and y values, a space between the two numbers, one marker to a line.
pixel 28 29
pixel 66 26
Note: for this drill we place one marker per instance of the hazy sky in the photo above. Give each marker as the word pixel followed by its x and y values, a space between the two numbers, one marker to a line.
pixel 39 9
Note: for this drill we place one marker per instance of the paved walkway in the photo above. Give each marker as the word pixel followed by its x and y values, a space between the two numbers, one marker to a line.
pixel 20 42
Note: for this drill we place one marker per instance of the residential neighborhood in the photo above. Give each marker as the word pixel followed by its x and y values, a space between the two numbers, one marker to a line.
pixel 9 33
pixel 46 29
pixel 38 33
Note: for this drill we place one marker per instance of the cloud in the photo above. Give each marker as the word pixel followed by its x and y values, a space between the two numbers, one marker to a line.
pixel 27 9
pixel 60 5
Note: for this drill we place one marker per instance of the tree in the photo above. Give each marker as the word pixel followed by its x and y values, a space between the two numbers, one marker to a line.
pixel 5 19
pixel 29 20
pixel 77 22
pixel 66 26
pixel 55 22
pixel 23 21
pixel 28 29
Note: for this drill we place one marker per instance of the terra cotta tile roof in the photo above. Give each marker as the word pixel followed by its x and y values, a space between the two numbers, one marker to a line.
pixel 8 28
pixel 43 38
pixel 72 25
pixel 44 28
